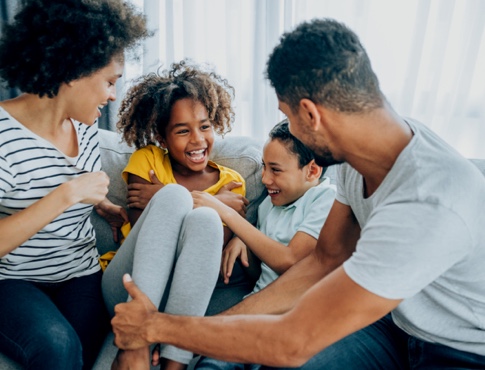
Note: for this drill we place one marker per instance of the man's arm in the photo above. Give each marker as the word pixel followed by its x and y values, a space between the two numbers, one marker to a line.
pixel 329 311
pixel 335 244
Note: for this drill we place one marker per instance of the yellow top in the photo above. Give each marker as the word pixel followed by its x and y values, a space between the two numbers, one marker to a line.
pixel 154 158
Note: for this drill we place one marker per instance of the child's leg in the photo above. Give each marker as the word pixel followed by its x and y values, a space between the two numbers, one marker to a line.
pixel 196 270
pixel 148 253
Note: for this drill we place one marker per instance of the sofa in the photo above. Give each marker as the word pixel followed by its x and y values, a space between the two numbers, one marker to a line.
pixel 240 153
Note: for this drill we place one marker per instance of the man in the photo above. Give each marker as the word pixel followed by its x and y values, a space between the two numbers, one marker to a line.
pixel 405 234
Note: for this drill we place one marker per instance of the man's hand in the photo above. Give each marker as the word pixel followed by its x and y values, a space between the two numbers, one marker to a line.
pixel 140 194
pixel 130 320
pixel 231 199
pixel 115 215
pixel 233 250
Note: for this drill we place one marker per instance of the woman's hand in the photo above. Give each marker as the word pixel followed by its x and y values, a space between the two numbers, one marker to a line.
pixel 233 250
pixel 139 194
pixel 88 188
pixel 115 215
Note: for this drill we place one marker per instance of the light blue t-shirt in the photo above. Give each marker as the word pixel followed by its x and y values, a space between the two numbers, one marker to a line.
pixel 423 240
pixel 281 223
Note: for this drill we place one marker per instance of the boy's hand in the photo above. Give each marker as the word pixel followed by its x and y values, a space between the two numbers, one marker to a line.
pixel 203 199
pixel 130 320
pixel 115 215
pixel 140 194
pixel 236 201
pixel 235 248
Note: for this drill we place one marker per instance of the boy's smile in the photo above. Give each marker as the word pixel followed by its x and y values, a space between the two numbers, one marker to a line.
pixel 282 176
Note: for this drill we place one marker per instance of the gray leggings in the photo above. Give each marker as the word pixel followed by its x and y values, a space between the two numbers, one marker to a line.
pixel 172 252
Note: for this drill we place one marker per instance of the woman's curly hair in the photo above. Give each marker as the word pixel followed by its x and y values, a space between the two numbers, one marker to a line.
pixel 145 111
pixel 54 42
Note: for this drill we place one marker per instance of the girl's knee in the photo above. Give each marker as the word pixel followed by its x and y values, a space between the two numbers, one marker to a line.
pixel 173 194
pixel 204 217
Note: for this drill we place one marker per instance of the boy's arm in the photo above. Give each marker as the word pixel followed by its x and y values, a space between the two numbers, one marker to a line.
pixel 335 244
pixel 276 255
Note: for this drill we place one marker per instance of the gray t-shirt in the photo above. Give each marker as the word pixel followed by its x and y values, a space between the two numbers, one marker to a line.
pixel 423 240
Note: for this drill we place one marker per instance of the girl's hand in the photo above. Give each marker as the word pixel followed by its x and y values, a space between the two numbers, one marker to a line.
pixel 234 249
pixel 115 215
pixel 236 201
pixel 140 194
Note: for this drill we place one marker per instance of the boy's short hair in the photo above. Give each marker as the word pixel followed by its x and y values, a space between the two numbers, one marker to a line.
pixel 282 133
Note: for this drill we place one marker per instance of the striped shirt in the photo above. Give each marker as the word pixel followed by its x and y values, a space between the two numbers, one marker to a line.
pixel 30 168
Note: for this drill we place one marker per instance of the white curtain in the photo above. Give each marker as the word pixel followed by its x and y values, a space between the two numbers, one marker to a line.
pixel 428 54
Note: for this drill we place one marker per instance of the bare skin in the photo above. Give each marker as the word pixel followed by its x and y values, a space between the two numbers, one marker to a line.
pixel 314 300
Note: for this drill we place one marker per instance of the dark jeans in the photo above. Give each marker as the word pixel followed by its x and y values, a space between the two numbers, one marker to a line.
pixel 53 325
pixel 381 345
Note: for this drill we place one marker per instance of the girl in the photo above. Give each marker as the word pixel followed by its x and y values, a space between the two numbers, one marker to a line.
pixel 172 250
pixel 65 57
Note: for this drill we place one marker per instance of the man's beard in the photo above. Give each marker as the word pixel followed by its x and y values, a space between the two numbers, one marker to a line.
pixel 325 159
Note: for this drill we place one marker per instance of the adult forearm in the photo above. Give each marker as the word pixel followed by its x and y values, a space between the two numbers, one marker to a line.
pixel 261 339
pixel 281 295
pixel 18 228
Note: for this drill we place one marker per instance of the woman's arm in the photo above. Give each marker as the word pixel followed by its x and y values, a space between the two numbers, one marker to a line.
pixel 89 188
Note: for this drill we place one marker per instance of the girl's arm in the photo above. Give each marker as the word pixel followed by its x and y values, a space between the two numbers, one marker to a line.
pixel 138 197
pixel 89 188
pixel 276 255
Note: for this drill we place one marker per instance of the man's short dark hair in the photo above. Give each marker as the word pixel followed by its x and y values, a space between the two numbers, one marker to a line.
pixel 324 61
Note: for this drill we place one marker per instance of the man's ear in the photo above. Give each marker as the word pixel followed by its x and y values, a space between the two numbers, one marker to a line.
pixel 309 112
pixel 314 171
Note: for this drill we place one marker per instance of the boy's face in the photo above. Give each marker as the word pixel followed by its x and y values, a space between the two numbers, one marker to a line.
pixel 285 181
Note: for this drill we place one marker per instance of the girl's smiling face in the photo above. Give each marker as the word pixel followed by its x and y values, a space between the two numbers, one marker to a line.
pixel 189 136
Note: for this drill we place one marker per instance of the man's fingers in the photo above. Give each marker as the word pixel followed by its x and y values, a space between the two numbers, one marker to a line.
pixel 131 287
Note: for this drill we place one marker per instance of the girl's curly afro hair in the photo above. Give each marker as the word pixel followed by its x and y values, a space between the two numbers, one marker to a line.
pixel 54 42
pixel 145 111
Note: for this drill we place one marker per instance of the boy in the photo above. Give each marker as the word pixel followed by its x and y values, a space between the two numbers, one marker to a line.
pixel 289 218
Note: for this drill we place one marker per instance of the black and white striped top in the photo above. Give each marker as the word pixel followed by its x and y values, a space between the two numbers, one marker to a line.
pixel 30 168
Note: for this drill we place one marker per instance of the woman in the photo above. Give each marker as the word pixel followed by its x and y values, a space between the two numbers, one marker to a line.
pixel 66 58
